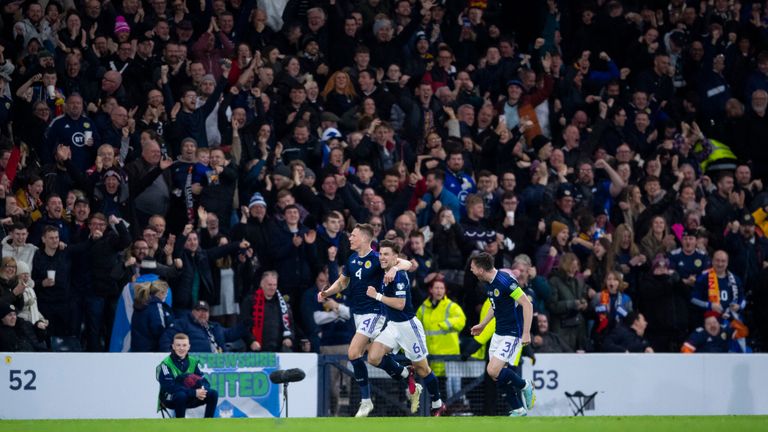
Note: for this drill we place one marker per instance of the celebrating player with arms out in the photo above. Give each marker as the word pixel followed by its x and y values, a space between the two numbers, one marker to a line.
pixel 404 331
pixel 362 270
pixel 509 338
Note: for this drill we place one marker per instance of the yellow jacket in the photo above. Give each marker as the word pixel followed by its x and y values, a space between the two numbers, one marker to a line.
pixel 761 221
pixel 33 208
pixel 442 324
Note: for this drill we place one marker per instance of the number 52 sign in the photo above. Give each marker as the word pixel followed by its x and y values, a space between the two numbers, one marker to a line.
pixel 22 379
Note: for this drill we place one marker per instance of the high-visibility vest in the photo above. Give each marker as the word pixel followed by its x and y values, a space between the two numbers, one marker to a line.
pixel 719 151
pixel 442 324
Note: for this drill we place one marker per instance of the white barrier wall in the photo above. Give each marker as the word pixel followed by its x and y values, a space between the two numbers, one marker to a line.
pixel 86 385
pixel 49 385
pixel 649 384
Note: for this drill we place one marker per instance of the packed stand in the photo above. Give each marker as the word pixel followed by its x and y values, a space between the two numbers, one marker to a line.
pixel 217 153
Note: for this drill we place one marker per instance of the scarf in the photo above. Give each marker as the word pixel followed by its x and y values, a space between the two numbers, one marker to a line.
pixel 259 302
pixel 740 329
pixel 713 291
pixel 188 198
pixel 604 308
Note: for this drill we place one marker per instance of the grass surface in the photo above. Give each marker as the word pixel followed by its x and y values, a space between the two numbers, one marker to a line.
pixel 406 424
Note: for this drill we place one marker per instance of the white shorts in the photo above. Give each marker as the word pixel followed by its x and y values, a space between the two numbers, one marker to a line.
pixel 408 335
pixel 369 325
pixel 506 348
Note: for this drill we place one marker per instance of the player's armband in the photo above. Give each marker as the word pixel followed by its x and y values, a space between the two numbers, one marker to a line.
pixel 517 293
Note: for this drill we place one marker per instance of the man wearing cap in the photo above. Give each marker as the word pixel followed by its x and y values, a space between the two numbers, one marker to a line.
pixel 688 261
pixel 204 335
pixel 520 102
pixel 110 196
pixel 563 212
pixel 16 334
pixel 137 74
pixel 748 252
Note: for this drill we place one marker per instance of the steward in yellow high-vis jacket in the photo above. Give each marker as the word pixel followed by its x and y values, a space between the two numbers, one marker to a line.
pixel 443 320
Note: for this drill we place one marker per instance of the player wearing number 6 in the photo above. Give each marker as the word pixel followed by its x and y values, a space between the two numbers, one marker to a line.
pixel 404 331
pixel 362 270
pixel 507 342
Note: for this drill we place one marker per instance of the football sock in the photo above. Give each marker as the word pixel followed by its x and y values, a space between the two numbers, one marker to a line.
pixel 508 377
pixel 392 367
pixel 361 376
pixel 434 388
pixel 512 395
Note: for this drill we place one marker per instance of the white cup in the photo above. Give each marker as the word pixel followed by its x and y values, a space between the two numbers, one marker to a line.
pixel 52 275
pixel 88 135
pixel 51 91
pixel 511 217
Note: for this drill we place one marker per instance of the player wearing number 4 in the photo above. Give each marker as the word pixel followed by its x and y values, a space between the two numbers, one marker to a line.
pixel 362 270
pixel 507 342
pixel 404 331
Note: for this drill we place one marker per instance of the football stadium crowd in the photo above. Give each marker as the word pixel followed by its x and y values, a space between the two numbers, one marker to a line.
pixel 196 166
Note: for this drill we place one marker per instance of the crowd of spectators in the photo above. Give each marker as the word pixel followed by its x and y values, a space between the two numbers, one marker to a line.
pixel 614 153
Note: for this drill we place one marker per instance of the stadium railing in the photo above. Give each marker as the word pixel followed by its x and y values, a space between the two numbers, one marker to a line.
pixel 476 396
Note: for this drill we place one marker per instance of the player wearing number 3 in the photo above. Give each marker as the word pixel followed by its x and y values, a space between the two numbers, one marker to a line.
pixel 362 270
pixel 507 342
pixel 404 331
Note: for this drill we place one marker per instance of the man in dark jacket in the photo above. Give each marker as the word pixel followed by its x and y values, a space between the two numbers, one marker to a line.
pixel 176 372
pixel 267 318
pixel 54 216
pixel 628 337
pixel 258 229
pixel 295 256
pixel 217 194
pixel 100 302
pixel 149 184
pixel 329 235
pixel 195 281
pixel 204 335
pixel 188 120
pixel 51 273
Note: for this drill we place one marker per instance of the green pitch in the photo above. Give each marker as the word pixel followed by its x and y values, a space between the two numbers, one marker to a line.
pixel 405 424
